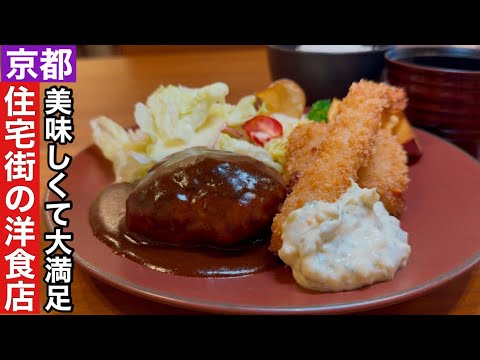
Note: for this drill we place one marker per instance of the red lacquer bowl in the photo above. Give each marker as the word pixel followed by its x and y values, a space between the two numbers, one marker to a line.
pixel 443 86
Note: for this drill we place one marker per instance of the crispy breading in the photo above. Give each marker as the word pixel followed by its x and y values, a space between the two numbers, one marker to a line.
pixel 303 144
pixel 387 171
pixel 347 147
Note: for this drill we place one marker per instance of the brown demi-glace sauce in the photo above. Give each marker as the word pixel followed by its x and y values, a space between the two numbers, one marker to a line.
pixel 193 254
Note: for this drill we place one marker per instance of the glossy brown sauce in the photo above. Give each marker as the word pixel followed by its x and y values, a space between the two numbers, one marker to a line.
pixel 107 219
pixel 160 248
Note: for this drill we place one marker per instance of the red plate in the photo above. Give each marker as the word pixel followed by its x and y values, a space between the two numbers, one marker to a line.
pixel 441 218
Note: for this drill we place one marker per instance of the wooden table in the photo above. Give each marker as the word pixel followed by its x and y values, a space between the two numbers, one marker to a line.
pixel 111 86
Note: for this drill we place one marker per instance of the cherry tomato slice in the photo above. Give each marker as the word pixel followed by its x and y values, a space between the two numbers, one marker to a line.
pixel 262 129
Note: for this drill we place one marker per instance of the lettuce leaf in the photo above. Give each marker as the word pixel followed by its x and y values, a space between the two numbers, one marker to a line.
pixel 173 118
pixel 227 143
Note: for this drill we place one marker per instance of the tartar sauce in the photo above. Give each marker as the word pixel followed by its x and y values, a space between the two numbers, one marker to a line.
pixel 344 245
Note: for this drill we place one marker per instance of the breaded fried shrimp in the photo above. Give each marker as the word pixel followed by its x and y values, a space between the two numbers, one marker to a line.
pixel 347 148
pixel 303 143
pixel 387 171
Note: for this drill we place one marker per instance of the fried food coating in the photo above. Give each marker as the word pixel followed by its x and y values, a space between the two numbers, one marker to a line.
pixel 386 170
pixel 346 148
pixel 303 144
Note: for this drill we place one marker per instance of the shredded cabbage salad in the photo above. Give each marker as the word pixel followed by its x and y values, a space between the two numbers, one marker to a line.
pixel 177 117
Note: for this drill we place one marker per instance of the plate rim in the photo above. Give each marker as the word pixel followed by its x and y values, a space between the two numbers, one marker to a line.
pixel 225 308
pixel 218 307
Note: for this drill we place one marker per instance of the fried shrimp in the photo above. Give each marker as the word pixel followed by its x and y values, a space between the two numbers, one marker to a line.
pixel 347 147
pixel 386 171
pixel 303 144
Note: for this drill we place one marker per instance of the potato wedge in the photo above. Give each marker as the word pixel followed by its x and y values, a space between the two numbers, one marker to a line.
pixel 284 96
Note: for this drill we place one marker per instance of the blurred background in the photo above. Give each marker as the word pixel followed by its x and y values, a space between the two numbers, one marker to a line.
pixel 109 50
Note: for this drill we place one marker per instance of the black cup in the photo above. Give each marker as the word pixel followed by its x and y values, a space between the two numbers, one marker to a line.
pixel 325 75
